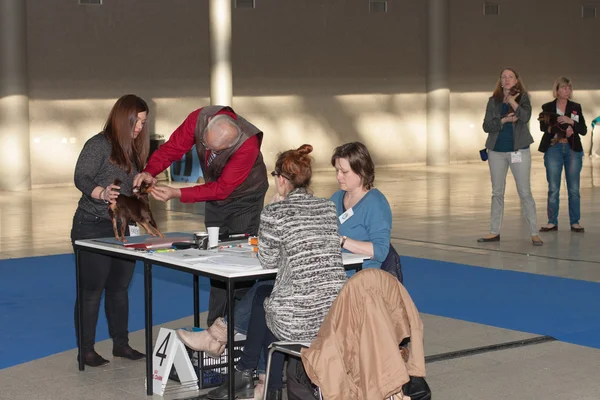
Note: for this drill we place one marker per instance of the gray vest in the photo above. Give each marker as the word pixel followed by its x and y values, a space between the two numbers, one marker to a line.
pixel 256 181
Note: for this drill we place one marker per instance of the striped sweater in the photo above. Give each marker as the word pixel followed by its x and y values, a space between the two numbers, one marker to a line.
pixel 299 236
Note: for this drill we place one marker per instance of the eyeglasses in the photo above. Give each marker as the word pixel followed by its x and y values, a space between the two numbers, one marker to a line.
pixel 207 147
pixel 275 173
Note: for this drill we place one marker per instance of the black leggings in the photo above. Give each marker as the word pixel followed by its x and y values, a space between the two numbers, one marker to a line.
pixel 101 273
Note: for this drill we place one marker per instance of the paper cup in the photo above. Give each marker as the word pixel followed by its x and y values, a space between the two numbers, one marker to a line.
pixel 201 240
pixel 213 236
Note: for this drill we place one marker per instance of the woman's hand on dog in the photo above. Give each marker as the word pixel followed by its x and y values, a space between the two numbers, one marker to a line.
pixel 165 193
pixel 563 119
pixel 569 131
pixel 509 118
pixel 111 193
pixel 143 177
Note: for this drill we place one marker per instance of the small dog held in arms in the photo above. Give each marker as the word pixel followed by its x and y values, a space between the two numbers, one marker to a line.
pixel 133 208
pixel 551 118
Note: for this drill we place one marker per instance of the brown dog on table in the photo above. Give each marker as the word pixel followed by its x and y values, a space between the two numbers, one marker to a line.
pixel 133 208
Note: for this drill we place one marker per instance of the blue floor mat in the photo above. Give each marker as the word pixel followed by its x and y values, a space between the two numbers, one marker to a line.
pixel 37 298
pixel 566 309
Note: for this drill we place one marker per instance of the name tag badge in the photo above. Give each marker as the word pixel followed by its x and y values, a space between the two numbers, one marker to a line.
pixel 134 230
pixel 345 216
pixel 575 117
pixel 516 157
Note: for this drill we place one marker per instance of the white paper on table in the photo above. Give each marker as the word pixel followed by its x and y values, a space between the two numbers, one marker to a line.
pixel 188 255
pixel 231 263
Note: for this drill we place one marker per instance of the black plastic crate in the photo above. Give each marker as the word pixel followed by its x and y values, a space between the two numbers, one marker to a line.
pixel 211 372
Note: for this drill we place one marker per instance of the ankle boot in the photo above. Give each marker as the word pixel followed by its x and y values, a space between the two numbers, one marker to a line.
pixel 274 394
pixel 244 387
pixel 218 330
pixel 201 341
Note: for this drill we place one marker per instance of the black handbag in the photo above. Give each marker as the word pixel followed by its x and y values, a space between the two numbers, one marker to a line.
pixel 417 389
pixel 299 386
pixel 392 264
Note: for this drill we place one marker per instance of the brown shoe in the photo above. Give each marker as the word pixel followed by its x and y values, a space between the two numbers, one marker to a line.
pixel 201 341
pixel 577 228
pixel 486 239
pixel 536 240
pixel 218 330
pixel 552 228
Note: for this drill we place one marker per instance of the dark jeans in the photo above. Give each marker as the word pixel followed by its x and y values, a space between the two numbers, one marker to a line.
pixel 237 216
pixel 260 338
pixel 243 311
pixel 556 158
pixel 100 273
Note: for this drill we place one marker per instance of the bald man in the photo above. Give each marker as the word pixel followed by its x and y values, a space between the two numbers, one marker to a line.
pixel 234 172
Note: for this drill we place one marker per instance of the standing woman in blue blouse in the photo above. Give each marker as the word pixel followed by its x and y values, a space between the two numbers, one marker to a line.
pixel 506 118
pixel 364 214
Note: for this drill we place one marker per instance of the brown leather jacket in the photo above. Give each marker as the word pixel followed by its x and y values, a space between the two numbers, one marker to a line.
pixel 356 353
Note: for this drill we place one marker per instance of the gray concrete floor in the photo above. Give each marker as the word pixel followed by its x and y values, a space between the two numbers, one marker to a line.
pixel 438 214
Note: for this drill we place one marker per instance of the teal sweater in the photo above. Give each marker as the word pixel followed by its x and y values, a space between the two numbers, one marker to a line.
pixel 371 222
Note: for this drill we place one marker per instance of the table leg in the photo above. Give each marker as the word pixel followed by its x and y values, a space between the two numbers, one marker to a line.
pixel 230 337
pixel 148 328
pixel 199 371
pixel 79 308
pixel 196 302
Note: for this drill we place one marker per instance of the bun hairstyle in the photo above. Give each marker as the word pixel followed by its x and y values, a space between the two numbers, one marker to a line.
pixel 296 166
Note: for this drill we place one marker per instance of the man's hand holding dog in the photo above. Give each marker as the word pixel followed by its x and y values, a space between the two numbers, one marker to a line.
pixel 143 177
pixel 165 193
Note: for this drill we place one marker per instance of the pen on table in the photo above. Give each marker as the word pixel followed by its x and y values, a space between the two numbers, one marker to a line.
pixel 238 235
pixel 229 246
pixel 164 250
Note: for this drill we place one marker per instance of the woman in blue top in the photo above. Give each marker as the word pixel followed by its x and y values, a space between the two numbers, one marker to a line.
pixel 364 214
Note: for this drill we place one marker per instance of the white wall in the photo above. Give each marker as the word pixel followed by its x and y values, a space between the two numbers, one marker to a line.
pixel 317 71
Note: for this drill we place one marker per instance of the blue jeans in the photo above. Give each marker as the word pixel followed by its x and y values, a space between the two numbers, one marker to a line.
pixel 243 311
pixel 259 339
pixel 556 157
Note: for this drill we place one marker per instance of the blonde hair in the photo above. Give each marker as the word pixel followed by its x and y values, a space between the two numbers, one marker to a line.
pixel 562 81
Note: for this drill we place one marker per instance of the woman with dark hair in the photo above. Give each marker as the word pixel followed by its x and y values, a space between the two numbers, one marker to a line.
pixel 506 121
pixel 118 152
pixel 561 145
pixel 298 236
pixel 364 214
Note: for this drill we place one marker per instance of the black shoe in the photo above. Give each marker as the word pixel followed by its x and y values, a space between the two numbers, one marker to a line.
pixel 273 394
pixel 546 229
pixel 244 387
pixel 128 353
pixel 93 359
pixel 492 239
pixel 578 230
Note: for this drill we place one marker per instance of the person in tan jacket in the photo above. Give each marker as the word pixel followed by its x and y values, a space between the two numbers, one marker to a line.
pixel 356 353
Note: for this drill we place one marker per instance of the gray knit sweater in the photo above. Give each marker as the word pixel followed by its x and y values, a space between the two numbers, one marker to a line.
pixel 299 236
pixel 94 169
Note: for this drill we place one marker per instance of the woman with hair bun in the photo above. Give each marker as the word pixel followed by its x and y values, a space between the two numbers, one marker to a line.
pixel 298 236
